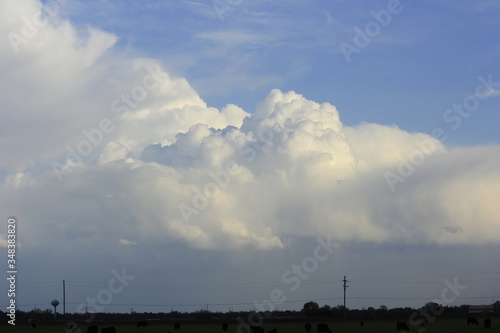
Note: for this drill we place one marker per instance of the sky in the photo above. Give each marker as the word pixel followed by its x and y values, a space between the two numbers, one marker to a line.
pixel 235 154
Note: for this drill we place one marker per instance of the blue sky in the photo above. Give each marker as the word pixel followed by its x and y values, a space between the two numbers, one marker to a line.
pixel 210 148
pixel 427 58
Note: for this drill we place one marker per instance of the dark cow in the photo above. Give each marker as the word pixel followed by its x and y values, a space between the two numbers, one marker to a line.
pixel 32 322
pixel 92 329
pixel 142 323
pixel 401 326
pixel 70 326
pixel 323 328
pixel 274 330
pixel 257 329
pixel 487 323
pixel 224 327
pixel 361 324
pixel 111 329
pixel 472 321
pixel 308 327
pixel 177 326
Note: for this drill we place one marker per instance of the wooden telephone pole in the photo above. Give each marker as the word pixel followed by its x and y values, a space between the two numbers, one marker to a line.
pixel 345 287
pixel 64 297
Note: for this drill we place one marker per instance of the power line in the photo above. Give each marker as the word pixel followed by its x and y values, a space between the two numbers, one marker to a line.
pixel 398 280
pixel 251 303
pixel 472 277
pixel 427 279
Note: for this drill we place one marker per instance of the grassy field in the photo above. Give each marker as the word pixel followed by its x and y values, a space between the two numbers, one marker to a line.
pixel 442 325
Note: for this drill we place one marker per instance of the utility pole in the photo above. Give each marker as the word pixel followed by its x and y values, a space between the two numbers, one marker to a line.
pixel 345 287
pixel 64 297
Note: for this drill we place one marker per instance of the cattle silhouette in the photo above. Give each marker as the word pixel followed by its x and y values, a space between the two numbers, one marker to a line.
pixel 32 322
pixel 257 329
pixel 487 323
pixel 142 323
pixel 111 329
pixel 224 327
pixel 177 326
pixel 323 328
pixel 274 330
pixel 361 324
pixel 308 327
pixel 401 326
pixel 472 321
pixel 92 329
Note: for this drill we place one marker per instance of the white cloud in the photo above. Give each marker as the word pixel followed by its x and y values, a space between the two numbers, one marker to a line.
pixel 172 168
pixel 232 38
pixel 48 87
pixel 113 151
pixel 127 242
pixel 490 93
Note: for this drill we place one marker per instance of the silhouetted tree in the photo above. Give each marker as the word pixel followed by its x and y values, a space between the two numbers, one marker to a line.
pixel 310 308
pixel 325 310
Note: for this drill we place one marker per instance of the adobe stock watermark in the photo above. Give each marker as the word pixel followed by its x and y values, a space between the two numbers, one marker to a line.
pixel 94 137
pixel 32 24
pixel 222 178
pixel 103 297
pixel 429 314
pixel 202 197
pixel 454 117
pixel 93 305
pixel 372 29
pixel 221 7
pixel 406 168
pixel 292 278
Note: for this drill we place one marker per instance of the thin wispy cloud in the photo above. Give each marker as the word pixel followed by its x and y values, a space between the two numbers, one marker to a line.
pixel 490 93
pixel 127 242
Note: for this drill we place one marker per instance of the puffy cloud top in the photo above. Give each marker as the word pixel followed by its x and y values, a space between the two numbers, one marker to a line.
pixel 113 149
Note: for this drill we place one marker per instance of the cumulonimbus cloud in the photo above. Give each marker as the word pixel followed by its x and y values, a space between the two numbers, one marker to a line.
pixel 163 165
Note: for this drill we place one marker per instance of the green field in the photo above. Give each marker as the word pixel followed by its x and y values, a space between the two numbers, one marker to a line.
pixel 442 325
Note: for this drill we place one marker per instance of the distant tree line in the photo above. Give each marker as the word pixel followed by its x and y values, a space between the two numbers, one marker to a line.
pixel 310 311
